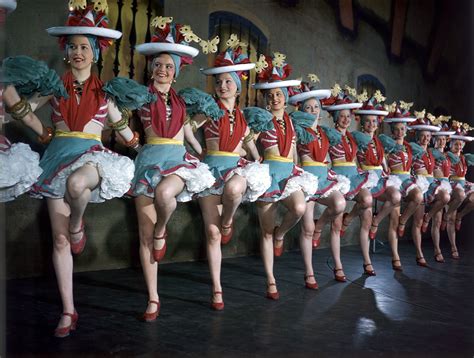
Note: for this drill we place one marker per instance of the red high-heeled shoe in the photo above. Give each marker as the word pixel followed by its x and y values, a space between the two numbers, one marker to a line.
pixel 373 234
pixel 272 295
pixel 420 263
pixel 78 246
pixel 396 267
pixel 217 306
pixel 400 229
pixel 158 254
pixel 316 236
pixel 62 332
pixel 277 251
pixel 311 286
pixel 426 222
pixel 226 238
pixel 150 317
pixel 339 278
pixel 368 272
pixel 343 231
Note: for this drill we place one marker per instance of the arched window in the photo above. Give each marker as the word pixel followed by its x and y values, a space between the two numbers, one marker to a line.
pixel 369 83
pixel 223 24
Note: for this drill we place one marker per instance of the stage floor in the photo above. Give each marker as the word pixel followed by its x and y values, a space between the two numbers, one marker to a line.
pixel 419 312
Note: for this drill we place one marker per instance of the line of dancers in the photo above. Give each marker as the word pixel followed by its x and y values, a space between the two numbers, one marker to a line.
pixel 262 155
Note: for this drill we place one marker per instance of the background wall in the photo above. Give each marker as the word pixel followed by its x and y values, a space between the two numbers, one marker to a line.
pixel 311 35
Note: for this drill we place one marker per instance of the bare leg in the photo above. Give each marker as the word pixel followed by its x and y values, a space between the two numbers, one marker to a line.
pixel 392 236
pixel 211 214
pixel 79 186
pixel 296 206
pixel 435 235
pixel 146 215
pixel 391 199
pixel 440 200
pixel 234 190
pixel 335 205
pixel 416 233
pixel 468 206
pixel 62 258
pixel 306 236
pixel 266 215
pixel 364 203
pixel 165 205
pixel 457 197
pixel 413 200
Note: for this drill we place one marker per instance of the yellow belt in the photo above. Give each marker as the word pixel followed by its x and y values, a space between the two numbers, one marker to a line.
pixel 310 163
pixel 458 178
pixel 400 172
pixel 222 153
pixel 77 135
pixel 371 167
pixel 426 175
pixel 163 141
pixel 343 164
pixel 277 158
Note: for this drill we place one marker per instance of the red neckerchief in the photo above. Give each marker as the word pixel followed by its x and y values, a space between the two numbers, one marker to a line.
pixel 350 149
pixel 75 115
pixel 318 150
pixel 228 142
pixel 446 166
pixel 370 157
pixel 429 161
pixel 461 167
pixel 407 166
pixel 158 114
pixel 285 139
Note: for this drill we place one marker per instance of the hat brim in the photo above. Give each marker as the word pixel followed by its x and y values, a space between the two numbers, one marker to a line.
pixel 373 112
pixel 154 48
pixel 462 137
pixel 84 30
pixel 9 5
pixel 301 97
pixel 447 133
pixel 399 120
pixel 340 107
pixel 226 69
pixel 276 84
pixel 425 127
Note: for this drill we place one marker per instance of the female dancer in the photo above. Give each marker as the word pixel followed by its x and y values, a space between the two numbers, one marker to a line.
pixel 313 147
pixel 237 179
pixel 459 164
pixel 343 157
pixel 437 195
pixel 20 165
pixel 371 157
pixel 289 182
pixel 77 169
pixel 165 173
pixel 441 171
pixel 400 155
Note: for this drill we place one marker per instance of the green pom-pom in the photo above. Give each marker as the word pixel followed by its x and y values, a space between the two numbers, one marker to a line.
pixel 389 144
pixel 334 136
pixel 199 102
pixel 301 121
pixel 417 150
pixel 469 158
pixel 127 93
pixel 258 119
pixel 362 139
pixel 30 76
pixel 438 155
pixel 453 157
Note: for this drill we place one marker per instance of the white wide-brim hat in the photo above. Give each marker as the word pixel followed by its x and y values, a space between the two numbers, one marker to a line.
pixel 447 133
pixel 276 84
pixel 226 69
pixel 425 127
pixel 84 30
pixel 462 137
pixel 301 97
pixel 340 107
pixel 154 48
pixel 10 5
pixel 400 120
pixel 371 112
